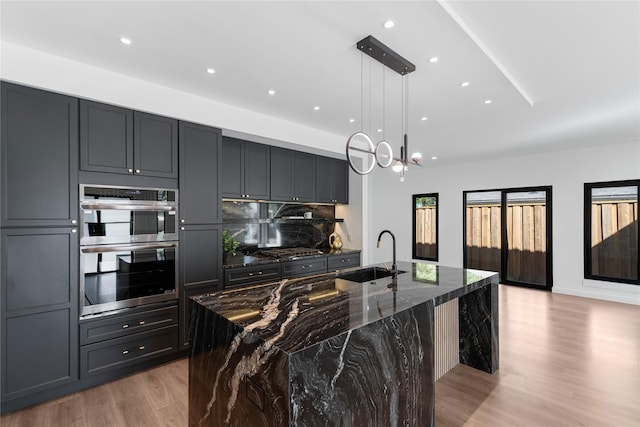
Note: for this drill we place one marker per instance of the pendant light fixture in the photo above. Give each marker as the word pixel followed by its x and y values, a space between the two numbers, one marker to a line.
pixel 359 142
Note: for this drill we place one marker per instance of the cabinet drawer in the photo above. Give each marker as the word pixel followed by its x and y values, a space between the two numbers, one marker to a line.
pixel 109 355
pixel 122 325
pixel 337 262
pixel 304 267
pixel 251 275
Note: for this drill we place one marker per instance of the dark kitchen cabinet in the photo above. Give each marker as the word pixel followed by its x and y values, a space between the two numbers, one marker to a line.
pixel 293 175
pixel 332 180
pixel 106 356
pixel 39 159
pixel 200 157
pixel 39 273
pixel 200 268
pixel 251 275
pixel 304 267
pixel 155 145
pixel 245 169
pixel 339 261
pixel 119 140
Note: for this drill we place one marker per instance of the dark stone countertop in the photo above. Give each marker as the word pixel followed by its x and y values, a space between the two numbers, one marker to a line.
pixel 303 312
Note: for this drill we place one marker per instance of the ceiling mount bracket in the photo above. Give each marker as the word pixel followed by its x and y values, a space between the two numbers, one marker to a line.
pixel 383 54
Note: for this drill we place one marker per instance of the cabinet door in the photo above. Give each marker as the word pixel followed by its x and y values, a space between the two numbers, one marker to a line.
pixel 200 269
pixel 281 174
pixel 201 255
pixel 199 174
pixel 232 168
pixel 304 177
pixel 256 171
pixel 39 338
pixel 340 175
pixel 155 145
pixel 106 138
pixel 39 177
pixel 324 180
pixel 332 180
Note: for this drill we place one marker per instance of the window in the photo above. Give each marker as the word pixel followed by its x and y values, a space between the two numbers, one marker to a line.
pixel 509 231
pixel 611 231
pixel 425 226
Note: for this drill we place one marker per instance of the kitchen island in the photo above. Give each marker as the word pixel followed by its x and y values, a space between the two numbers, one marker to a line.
pixel 348 349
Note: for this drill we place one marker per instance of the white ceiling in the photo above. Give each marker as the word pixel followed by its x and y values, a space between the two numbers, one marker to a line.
pixel 578 62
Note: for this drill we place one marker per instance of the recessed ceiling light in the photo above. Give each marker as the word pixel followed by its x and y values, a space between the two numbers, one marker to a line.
pixel 388 24
pixel 211 71
pixel 352 120
pixel 433 59
pixel 434 158
pixel 125 40
pixel 316 108
pixel 488 101
pixel 424 118
pixel 464 84
pixel 271 92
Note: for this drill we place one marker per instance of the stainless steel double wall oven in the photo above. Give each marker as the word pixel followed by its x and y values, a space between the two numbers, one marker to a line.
pixel 128 247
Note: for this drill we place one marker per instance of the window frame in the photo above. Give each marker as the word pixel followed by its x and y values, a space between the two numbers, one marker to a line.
pixel 413 237
pixel 588 267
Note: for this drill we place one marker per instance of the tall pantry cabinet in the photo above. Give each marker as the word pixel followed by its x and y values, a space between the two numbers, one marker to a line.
pixel 39 241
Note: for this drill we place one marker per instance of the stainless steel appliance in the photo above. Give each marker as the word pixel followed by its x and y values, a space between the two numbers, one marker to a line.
pixel 128 247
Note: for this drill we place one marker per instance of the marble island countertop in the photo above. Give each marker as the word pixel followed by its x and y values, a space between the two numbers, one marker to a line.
pixel 322 350
pixel 319 307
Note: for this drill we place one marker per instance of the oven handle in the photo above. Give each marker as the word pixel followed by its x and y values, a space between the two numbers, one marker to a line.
pixel 118 248
pixel 128 206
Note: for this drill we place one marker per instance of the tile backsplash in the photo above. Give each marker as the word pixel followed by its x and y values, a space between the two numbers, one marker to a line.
pixel 272 224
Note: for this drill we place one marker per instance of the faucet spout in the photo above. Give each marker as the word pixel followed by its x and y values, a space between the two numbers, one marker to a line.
pixel 394 266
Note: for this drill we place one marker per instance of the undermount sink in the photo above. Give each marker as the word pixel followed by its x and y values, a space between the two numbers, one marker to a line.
pixel 366 274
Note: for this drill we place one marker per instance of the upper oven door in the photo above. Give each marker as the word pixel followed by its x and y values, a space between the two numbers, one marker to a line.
pixel 110 215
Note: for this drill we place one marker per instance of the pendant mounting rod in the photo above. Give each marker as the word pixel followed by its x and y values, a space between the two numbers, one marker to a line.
pixel 383 54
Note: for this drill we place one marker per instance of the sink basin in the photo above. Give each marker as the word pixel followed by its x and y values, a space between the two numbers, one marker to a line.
pixel 367 274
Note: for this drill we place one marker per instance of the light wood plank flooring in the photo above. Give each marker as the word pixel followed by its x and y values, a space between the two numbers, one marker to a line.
pixel 564 361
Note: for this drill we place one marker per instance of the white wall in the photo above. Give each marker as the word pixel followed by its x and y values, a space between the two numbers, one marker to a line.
pixel 566 171
pixel 39 69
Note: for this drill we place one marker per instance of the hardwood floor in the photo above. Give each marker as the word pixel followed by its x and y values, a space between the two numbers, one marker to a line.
pixel 564 361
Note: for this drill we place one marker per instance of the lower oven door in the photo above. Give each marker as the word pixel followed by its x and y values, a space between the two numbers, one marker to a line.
pixel 128 275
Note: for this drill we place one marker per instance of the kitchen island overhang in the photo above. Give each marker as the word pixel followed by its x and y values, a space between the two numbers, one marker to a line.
pixel 323 350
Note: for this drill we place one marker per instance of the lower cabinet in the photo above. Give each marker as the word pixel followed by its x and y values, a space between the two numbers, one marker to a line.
pixel 120 340
pixel 252 275
pixel 39 340
pixel 304 267
pixel 338 262
pixel 200 269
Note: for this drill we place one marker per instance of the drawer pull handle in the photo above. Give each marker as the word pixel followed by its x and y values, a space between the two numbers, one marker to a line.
pixel 125 326
pixel 127 351
pixel 259 273
pixel 250 274
pixel 141 322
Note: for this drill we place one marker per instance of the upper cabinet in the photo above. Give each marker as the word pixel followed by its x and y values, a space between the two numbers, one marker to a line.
pixel 245 170
pixel 119 140
pixel 293 175
pixel 332 180
pixel 39 168
pixel 200 160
